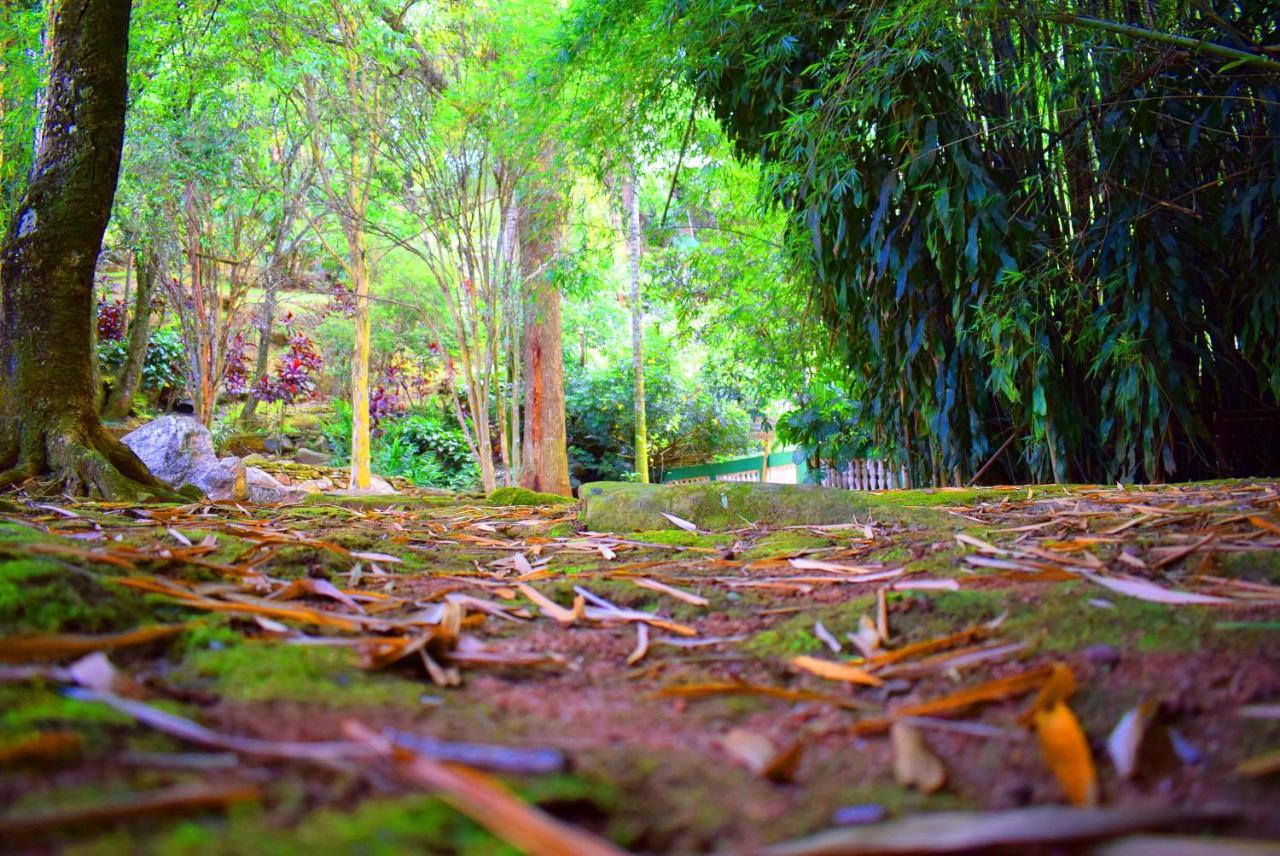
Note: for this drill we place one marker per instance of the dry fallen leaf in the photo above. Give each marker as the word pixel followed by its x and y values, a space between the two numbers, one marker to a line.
pixel 834 671
pixel 758 754
pixel 1038 829
pixel 485 801
pixel 995 690
pixel 59 645
pixel 1067 753
pixel 1153 593
pixel 914 765
pixel 1266 764
pixel 681 522
pixel 1125 740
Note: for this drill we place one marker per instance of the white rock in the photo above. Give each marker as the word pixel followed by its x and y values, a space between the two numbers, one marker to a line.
pixel 179 450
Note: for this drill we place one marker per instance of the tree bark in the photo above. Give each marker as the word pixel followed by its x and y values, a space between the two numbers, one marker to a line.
pixel 48 419
pixel 130 376
pixel 631 204
pixel 360 432
pixel 545 451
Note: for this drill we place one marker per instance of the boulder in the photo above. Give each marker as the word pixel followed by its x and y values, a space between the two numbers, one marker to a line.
pixel 264 489
pixel 311 457
pixel 179 450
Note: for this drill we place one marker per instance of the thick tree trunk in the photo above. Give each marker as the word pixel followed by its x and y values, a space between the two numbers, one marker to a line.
pixel 631 204
pixel 545 452
pixel 130 376
pixel 49 420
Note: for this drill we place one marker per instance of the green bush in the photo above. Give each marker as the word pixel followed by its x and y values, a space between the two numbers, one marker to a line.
pixel 687 423
pixel 423 446
pixel 162 367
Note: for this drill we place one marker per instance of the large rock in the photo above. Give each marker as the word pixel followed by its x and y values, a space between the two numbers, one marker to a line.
pixel 179 450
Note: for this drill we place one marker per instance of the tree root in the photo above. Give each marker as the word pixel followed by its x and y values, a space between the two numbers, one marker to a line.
pixel 88 462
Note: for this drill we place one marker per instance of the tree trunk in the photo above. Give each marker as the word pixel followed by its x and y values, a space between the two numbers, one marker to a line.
pixel 265 321
pixel 49 421
pixel 631 203
pixel 130 376
pixel 360 433
pixel 545 455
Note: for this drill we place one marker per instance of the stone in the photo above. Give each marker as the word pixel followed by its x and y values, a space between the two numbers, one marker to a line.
pixel 378 486
pixel 264 489
pixel 319 485
pixel 179 450
pixel 720 506
pixel 311 457
pixel 254 460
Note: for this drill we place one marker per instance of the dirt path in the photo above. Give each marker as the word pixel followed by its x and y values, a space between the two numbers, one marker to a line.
pixel 510 626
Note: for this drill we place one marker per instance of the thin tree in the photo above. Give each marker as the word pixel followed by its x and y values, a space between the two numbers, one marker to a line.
pixel 631 210
pixel 48 418
pixel 129 378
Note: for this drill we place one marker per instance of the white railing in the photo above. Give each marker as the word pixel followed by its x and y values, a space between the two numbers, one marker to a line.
pixel 852 475
pixel 865 475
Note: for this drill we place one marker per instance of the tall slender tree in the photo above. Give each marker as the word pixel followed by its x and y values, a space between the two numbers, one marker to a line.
pixel 48 418
pixel 631 211
pixel 545 457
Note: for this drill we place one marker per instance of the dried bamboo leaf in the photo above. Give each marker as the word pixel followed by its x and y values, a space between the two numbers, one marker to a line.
pixel 1066 751
pixel 834 671
pixel 486 802
pixel 1016 830
pixel 914 765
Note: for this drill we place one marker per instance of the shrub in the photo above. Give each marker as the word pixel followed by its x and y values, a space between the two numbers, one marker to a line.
pixel 423 446
pixel 162 366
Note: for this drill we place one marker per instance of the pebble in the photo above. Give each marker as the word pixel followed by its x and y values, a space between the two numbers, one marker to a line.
pixel 857 815
pixel 1102 655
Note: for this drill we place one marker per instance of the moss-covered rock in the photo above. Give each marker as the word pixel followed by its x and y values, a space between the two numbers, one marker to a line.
pixel 628 507
pixel 522 496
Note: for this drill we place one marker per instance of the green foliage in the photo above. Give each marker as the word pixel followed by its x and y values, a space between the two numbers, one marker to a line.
pixel 425 446
pixel 687 423
pixel 162 366
pixel 829 424
pixel 1017 228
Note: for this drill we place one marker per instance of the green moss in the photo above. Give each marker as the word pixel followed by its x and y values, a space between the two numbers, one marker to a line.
pixel 379 502
pixel 34 706
pixel 1261 566
pixel 784 543
pixel 561 530
pixel 265 671
pixel 521 496
pixel 1061 619
pixel 794 634
pixel 681 538
pixel 44 596
pixel 416 823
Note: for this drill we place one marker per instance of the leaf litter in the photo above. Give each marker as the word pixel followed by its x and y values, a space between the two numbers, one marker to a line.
pixel 603 654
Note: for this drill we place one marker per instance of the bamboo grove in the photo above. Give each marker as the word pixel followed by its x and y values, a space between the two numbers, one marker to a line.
pixel 1042 234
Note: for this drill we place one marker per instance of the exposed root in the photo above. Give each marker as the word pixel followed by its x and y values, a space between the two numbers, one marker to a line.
pixel 88 463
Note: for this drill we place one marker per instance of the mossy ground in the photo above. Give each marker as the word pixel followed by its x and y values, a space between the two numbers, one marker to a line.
pixel 648 771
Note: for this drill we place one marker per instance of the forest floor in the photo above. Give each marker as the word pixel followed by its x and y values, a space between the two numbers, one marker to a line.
pixel 228 679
